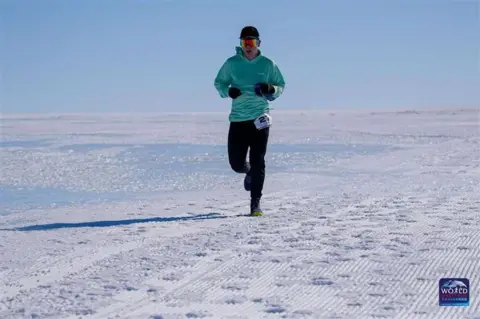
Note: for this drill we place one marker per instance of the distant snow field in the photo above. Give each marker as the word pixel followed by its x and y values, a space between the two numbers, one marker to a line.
pixel 137 216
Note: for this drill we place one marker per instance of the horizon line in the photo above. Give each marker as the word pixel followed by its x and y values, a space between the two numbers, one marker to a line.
pixel 273 110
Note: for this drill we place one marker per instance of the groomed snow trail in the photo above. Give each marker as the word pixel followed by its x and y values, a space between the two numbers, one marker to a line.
pixel 370 244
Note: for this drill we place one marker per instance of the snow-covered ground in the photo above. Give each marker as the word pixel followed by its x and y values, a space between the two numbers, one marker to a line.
pixel 136 216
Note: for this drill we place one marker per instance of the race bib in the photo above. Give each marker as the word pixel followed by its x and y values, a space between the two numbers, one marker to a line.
pixel 263 121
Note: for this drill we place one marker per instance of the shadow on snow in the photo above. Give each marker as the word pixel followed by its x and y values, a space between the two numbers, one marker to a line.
pixel 111 223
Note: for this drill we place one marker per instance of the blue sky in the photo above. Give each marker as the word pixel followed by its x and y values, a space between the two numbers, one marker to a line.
pixel 154 56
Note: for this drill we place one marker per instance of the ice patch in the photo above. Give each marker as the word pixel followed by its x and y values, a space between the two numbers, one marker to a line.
pixel 20 199
pixel 90 172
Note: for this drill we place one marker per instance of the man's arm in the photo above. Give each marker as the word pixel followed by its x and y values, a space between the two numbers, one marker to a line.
pixel 272 90
pixel 223 80
pixel 277 81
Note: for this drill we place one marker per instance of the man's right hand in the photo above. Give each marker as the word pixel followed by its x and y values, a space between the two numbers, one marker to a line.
pixel 234 93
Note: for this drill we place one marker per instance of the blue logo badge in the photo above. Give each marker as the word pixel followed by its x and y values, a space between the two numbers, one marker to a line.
pixel 454 292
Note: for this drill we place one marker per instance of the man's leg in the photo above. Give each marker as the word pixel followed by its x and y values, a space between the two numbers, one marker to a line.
pixel 238 147
pixel 258 149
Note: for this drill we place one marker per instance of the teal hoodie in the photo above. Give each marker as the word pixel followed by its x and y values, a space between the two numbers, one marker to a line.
pixel 239 72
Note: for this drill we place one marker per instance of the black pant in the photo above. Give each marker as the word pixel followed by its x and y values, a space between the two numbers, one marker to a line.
pixel 241 137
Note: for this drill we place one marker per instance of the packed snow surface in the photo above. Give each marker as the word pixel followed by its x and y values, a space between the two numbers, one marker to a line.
pixel 138 216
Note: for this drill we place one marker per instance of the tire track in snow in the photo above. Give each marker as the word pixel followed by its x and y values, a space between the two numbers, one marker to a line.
pixel 452 258
pixel 78 261
pixel 276 233
pixel 83 259
pixel 130 300
pixel 196 286
pixel 390 293
pixel 421 270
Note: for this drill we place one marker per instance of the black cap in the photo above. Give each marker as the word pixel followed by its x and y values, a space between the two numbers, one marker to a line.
pixel 249 31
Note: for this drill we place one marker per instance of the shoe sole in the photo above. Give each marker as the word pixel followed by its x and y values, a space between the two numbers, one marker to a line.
pixel 256 214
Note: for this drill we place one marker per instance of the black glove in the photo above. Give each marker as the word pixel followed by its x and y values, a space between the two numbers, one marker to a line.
pixel 264 89
pixel 234 93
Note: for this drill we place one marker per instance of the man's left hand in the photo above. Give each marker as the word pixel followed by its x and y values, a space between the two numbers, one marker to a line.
pixel 264 89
